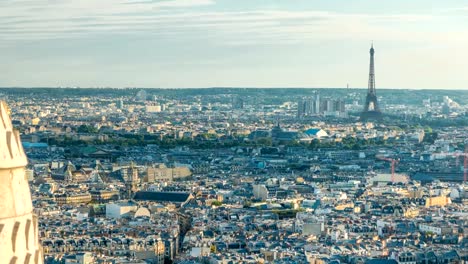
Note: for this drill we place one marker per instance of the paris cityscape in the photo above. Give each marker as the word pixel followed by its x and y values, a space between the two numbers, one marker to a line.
pixel 284 174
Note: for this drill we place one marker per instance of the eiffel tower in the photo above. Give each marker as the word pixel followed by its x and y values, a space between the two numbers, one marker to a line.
pixel 371 108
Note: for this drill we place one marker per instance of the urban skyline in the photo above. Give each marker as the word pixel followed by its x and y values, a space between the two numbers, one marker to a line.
pixel 218 176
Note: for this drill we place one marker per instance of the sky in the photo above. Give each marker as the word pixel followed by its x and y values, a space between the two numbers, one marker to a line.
pixel 419 44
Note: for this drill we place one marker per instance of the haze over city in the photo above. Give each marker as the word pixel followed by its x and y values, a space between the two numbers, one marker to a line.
pixel 218 43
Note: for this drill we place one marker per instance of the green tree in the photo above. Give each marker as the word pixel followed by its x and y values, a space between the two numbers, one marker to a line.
pixel 264 142
pixel 86 129
pixel 216 203
pixel 314 144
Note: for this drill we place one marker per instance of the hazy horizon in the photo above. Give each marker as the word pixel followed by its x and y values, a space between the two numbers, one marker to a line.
pixel 233 87
pixel 419 44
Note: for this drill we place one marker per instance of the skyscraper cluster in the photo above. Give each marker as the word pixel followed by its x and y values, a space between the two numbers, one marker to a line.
pixel 313 106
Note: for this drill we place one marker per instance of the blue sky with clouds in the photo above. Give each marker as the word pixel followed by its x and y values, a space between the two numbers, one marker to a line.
pixel 235 43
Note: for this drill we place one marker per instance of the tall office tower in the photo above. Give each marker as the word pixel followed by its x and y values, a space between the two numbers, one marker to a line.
pixel 318 109
pixel 301 108
pixel 371 107
pixel 330 105
pixel 19 241
pixel 340 105
pixel 310 107
pixel 120 104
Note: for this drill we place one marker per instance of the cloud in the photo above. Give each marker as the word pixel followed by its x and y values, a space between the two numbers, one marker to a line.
pixel 178 20
pixel 455 10
pixel 171 3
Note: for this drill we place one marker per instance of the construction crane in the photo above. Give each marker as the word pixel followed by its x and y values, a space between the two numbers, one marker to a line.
pixel 393 163
pixel 465 162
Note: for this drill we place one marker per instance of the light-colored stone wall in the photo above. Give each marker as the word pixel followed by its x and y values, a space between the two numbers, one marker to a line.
pixel 19 241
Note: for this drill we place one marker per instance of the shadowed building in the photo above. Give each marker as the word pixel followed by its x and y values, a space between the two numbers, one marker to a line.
pixel 177 198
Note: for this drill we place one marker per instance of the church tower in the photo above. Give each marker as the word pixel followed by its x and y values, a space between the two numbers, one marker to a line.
pixel 19 241
pixel 133 180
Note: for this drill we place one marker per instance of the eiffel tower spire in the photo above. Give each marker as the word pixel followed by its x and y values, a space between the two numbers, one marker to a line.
pixel 371 107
